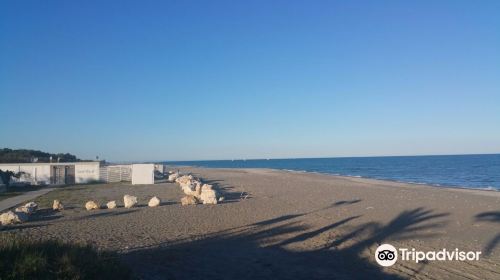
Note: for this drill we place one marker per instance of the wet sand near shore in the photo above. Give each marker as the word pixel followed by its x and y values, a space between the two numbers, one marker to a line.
pixel 282 225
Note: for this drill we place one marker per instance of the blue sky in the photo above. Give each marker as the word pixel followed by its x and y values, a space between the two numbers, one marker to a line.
pixel 184 80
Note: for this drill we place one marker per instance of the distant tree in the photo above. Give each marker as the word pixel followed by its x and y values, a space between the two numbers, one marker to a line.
pixel 24 155
pixel 7 175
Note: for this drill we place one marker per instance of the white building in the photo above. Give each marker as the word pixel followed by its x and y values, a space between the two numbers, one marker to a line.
pixel 59 173
pixel 143 174
pixel 116 173
pixel 66 173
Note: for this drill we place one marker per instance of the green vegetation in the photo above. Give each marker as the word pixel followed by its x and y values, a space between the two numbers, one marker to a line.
pixel 20 156
pixel 77 195
pixel 23 258
pixel 5 176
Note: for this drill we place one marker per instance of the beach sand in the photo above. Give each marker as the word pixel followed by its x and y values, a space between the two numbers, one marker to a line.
pixel 282 225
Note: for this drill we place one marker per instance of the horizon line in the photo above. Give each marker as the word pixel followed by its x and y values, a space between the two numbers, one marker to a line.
pixel 327 157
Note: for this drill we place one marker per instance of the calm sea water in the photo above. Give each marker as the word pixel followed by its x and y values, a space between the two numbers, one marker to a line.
pixel 466 171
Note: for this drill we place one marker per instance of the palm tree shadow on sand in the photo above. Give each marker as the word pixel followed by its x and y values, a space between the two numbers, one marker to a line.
pixel 492 217
pixel 258 251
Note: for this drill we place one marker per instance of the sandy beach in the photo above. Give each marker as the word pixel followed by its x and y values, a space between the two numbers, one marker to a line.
pixel 281 225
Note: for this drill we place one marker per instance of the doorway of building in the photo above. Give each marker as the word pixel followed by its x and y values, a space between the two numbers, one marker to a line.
pixel 62 174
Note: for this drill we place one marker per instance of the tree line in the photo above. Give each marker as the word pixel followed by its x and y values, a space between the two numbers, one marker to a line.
pixel 25 155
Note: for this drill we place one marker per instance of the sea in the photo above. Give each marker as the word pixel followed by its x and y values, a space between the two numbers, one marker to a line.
pixel 458 171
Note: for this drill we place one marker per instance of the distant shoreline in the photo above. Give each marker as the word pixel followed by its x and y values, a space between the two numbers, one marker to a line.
pixel 360 178
pixel 336 157
pixel 489 189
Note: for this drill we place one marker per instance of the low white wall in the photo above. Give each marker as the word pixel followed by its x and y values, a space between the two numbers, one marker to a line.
pixel 10 167
pixel 86 172
pixel 39 173
pixel 35 173
pixel 143 174
pixel 116 173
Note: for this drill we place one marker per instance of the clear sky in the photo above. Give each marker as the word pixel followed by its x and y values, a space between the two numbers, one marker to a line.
pixel 183 80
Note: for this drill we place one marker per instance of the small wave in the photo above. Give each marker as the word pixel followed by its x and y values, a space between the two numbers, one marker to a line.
pixel 415 183
pixel 487 188
pixel 349 175
pixel 292 170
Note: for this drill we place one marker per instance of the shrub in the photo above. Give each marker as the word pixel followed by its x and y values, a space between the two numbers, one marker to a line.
pixel 23 258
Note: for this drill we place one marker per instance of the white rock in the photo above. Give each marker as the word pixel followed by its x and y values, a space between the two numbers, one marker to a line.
pixel 189 200
pixel 111 204
pixel 173 177
pixel 32 205
pixel 153 202
pixel 208 195
pixel 91 205
pixel 187 183
pixel 184 179
pixel 57 205
pixel 23 209
pixel 29 208
pixel 129 201
pixel 7 218
pixel 189 188
pixel 207 187
pixel 13 218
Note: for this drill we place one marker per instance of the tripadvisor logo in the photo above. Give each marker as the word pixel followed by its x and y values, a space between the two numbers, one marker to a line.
pixel 387 255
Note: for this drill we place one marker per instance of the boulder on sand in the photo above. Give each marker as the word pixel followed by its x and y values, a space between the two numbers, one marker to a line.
pixel 193 187
pixel 173 177
pixel 153 202
pixel 12 218
pixel 32 204
pixel 29 208
pixel 129 201
pixel 184 179
pixel 57 205
pixel 189 188
pixel 91 205
pixel 189 200
pixel 111 204
pixel 208 194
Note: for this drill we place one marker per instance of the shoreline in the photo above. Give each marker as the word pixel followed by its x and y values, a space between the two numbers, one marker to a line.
pixel 458 188
pixel 368 180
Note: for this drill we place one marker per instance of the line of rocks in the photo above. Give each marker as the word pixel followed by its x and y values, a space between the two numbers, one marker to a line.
pixel 129 201
pixel 195 192
pixel 19 215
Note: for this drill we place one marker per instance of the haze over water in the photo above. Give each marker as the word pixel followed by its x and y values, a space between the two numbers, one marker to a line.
pixel 466 171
